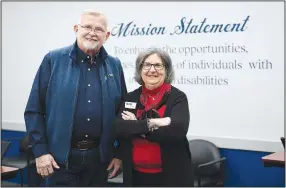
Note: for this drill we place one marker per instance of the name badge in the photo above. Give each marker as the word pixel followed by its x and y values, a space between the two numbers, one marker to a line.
pixel 130 105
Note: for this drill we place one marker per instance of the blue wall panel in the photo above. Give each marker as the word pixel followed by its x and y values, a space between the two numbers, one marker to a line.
pixel 243 168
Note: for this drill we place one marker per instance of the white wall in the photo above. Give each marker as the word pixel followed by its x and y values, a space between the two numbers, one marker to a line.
pixel 246 112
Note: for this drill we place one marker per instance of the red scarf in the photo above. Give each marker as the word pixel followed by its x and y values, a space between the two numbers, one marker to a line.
pixel 150 99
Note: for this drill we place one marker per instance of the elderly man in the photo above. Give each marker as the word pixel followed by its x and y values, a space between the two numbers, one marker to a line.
pixel 72 106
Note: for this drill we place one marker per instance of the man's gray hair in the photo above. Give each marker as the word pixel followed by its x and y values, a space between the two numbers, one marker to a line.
pixel 166 59
pixel 93 13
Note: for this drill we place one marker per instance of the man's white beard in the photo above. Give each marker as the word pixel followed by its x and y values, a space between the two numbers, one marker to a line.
pixel 90 46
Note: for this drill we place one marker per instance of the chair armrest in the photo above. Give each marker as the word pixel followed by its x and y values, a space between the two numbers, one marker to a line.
pixel 211 163
pixel 29 152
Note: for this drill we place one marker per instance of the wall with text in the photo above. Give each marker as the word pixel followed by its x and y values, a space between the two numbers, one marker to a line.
pixel 229 61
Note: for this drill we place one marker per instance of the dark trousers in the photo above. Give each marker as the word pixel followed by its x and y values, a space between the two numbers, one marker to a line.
pixel 140 179
pixel 84 169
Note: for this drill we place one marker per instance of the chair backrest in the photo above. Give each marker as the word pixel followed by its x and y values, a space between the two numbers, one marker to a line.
pixel 4 147
pixel 283 141
pixel 25 145
pixel 202 152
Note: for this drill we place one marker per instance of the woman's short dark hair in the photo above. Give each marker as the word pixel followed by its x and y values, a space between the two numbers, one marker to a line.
pixel 142 56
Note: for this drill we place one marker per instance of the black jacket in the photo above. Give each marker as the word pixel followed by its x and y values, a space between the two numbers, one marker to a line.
pixel 175 153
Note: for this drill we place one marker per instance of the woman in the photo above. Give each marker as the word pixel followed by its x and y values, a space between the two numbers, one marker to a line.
pixel 152 125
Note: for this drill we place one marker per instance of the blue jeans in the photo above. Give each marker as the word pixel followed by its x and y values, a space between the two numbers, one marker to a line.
pixel 84 169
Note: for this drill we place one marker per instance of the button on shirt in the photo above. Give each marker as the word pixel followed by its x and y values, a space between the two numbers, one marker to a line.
pixel 87 119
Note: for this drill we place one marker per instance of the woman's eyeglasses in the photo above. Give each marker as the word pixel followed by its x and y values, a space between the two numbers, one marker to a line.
pixel 157 66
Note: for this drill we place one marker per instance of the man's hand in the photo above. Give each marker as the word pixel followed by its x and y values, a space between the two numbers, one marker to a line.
pixel 115 165
pixel 45 164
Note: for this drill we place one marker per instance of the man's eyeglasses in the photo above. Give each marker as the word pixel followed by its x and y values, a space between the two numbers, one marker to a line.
pixel 157 66
pixel 90 29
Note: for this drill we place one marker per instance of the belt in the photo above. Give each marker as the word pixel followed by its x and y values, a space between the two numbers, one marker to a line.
pixel 85 144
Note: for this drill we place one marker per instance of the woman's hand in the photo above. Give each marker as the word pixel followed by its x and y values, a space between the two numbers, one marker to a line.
pixel 128 115
pixel 160 122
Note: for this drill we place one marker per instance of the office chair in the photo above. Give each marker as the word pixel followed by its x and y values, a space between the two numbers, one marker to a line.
pixel 7 174
pixel 4 147
pixel 207 163
pixel 283 141
pixel 23 160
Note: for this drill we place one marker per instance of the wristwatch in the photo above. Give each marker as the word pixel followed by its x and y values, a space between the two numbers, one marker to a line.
pixel 151 127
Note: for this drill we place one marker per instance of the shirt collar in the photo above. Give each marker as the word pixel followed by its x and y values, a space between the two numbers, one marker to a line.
pixel 83 57
pixel 73 53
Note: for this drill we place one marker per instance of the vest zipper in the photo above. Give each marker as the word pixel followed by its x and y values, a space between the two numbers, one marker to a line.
pixel 67 160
